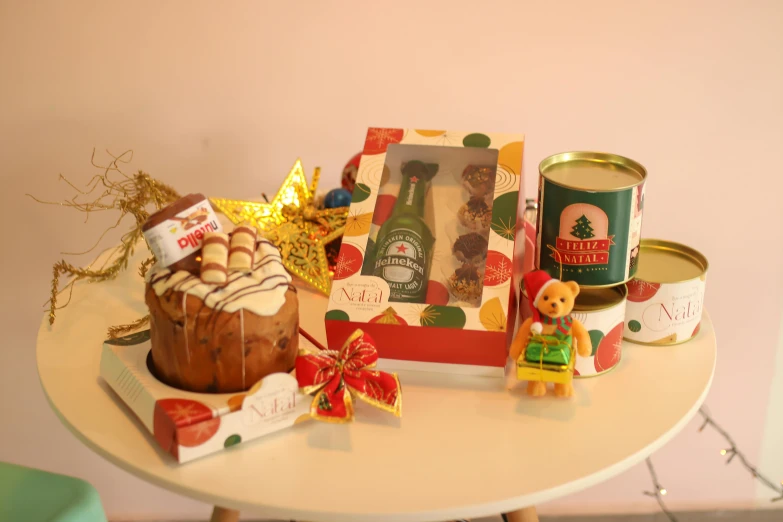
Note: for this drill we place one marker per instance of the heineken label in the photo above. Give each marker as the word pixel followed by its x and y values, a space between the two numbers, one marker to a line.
pixel 589 237
pixel 400 261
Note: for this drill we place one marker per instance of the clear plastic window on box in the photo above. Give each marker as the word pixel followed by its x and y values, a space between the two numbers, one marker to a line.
pixel 432 222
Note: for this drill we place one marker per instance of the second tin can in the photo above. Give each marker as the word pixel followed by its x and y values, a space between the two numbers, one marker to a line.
pixel 602 312
pixel 667 296
pixel 590 217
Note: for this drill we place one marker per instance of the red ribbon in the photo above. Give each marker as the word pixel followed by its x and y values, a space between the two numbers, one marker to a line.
pixel 334 377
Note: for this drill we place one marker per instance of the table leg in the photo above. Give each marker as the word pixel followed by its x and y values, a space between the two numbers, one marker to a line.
pixel 220 514
pixel 527 514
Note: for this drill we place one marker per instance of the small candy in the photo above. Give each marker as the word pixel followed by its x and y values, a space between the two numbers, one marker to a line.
pixel 242 250
pixel 466 284
pixel 479 180
pixel 475 214
pixel 470 247
pixel 214 257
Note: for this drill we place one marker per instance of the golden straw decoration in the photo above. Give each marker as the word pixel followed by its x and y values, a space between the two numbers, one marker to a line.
pixel 123 329
pixel 146 265
pixel 294 225
pixel 113 190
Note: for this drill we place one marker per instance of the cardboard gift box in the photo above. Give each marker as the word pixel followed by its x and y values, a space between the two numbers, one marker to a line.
pixel 190 425
pixel 428 254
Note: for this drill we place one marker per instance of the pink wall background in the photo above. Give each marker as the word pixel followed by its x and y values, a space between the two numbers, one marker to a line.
pixel 223 97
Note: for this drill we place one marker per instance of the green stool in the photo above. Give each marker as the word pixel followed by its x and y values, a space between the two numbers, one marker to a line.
pixel 31 495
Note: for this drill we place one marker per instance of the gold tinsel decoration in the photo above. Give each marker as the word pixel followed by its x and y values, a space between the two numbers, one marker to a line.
pixel 127 194
pixel 294 225
pixel 124 329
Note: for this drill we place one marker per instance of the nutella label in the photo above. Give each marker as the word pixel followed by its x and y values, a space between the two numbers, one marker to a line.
pixel 181 235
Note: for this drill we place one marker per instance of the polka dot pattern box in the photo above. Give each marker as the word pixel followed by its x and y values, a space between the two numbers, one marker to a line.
pixel 428 264
pixel 189 425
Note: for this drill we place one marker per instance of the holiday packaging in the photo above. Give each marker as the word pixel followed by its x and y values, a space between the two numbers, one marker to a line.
pixel 590 217
pixel 666 298
pixel 189 425
pixel 427 256
pixel 175 233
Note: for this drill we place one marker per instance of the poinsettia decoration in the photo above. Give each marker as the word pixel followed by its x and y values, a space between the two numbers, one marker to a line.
pixel 336 377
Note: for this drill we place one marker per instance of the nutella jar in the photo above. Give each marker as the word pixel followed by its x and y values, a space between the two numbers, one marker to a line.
pixel 175 233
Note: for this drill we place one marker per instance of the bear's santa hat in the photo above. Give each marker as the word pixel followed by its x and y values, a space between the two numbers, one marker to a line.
pixel 535 284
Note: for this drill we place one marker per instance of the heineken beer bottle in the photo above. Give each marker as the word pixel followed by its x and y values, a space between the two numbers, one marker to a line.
pixel 403 251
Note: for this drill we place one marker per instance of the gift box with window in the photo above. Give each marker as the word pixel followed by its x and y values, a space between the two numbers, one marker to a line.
pixel 428 263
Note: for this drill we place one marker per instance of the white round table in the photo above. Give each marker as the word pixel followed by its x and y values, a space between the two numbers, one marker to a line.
pixel 464 447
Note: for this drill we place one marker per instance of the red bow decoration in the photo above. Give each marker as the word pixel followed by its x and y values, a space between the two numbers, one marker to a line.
pixel 336 376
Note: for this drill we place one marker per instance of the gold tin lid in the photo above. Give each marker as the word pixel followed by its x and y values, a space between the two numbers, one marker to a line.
pixel 594 298
pixel 599 298
pixel 669 262
pixel 592 171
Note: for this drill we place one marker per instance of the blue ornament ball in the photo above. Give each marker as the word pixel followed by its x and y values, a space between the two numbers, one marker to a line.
pixel 338 197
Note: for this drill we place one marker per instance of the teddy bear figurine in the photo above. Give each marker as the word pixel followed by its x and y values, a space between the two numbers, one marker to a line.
pixel 543 348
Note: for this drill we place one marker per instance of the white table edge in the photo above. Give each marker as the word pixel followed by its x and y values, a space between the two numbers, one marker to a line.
pixel 456 512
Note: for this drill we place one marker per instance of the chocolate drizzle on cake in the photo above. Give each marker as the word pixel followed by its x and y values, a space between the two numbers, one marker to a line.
pixel 207 315
pixel 268 275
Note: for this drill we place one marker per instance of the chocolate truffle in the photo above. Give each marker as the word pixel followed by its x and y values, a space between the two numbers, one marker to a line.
pixel 470 247
pixel 475 215
pixel 465 284
pixel 478 180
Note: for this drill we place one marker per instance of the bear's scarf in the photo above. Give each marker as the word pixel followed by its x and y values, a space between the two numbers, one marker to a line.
pixel 563 323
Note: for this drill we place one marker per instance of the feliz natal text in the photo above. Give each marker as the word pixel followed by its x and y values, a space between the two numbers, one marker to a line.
pixel 592 258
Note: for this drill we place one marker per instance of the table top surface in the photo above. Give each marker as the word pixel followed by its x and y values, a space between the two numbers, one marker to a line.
pixel 465 447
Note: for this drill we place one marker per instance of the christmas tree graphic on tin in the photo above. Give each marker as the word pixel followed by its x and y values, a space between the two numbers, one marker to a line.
pixel 583 238
pixel 582 229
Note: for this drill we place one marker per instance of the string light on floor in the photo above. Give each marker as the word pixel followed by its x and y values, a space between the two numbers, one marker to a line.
pixel 658 492
pixel 731 451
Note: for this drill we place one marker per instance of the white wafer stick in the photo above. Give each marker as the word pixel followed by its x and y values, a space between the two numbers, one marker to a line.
pixel 214 258
pixel 242 250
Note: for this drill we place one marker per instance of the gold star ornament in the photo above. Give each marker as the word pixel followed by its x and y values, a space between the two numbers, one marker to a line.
pixel 293 223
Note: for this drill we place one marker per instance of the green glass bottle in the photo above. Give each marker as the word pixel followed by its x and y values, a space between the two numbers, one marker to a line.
pixel 403 251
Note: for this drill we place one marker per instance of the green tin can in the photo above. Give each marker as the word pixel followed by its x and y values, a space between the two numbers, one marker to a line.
pixel 590 217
